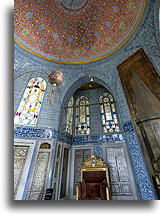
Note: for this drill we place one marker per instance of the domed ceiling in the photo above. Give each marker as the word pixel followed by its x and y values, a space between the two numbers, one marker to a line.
pixel 75 31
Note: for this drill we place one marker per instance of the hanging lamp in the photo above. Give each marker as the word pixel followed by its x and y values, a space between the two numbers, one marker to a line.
pixel 55 78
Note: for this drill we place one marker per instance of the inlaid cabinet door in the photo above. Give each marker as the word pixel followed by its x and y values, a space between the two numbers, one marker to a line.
pixel 64 173
pixel 80 156
pixel 57 166
pixel 38 181
pixel 119 175
pixel 20 156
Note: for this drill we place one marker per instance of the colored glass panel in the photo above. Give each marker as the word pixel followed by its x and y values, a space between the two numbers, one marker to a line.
pixel 70 116
pixel 30 105
pixel 108 113
pixel 82 116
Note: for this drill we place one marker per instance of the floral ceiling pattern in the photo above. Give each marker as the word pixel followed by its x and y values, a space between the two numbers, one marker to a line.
pixel 75 30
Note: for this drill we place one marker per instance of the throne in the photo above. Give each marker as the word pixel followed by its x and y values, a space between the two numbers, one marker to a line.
pixel 94 183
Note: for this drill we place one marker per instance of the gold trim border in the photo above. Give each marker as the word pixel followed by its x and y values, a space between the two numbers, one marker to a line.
pixel 92 60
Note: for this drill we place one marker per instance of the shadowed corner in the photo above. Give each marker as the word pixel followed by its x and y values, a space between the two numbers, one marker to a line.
pixel 10 105
pixel 84 205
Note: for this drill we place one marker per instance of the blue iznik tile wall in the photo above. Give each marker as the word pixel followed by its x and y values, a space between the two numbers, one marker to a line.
pixel 51 121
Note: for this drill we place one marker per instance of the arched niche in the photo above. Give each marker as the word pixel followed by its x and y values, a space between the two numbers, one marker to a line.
pixel 45 146
pixel 76 85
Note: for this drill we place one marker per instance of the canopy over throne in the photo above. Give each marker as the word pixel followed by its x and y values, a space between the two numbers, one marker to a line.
pixel 94 183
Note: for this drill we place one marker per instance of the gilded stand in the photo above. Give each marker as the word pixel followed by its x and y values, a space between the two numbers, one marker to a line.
pixel 94 183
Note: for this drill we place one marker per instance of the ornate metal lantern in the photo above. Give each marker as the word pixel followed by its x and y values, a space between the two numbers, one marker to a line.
pixel 55 78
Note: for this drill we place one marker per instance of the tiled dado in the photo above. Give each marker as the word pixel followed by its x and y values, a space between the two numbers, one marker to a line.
pixel 128 127
pixel 144 185
pixel 107 138
pixel 35 133
pixel 48 133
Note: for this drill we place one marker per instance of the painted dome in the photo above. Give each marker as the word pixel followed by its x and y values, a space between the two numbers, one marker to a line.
pixel 75 31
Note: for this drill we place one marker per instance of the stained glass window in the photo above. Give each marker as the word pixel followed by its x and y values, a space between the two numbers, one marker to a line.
pixel 30 104
pixel 69 116
pixel 108 113
pixel 82 116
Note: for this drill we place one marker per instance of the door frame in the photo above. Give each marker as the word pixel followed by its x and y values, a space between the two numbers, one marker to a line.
pixel 74 147
pixel 67 146
pixel 31 145
pixel 131 177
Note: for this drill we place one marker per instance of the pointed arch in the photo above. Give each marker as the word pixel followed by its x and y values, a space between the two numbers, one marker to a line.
pixel 30 105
